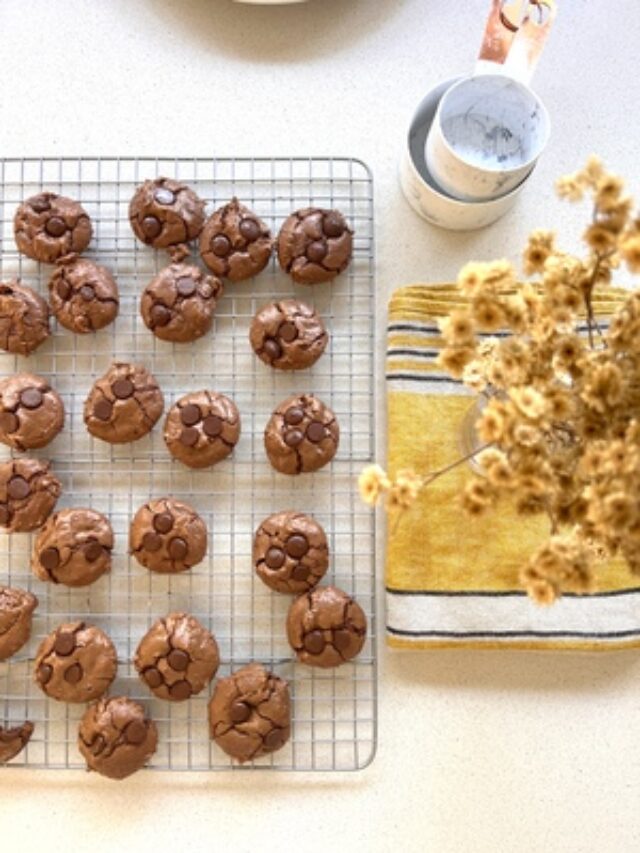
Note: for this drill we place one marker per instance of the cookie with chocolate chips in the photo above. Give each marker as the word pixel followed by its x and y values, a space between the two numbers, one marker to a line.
pixel 315 245
pixel 31 412
pixel 168 536
pixel 14 739
pixel 24 318
pixel 326 627
pixel 302 435
pixel 49 226
pixel 235 243
pixel 290 552
pixel 288 335
pixel 250 713
pixel 75 663
pixel 28 494
pixel 83 295
pixel 116 737
pixel 180 302
pixel 177 657
pixel 165 213
pixel 202 428
pixel 73 547
pixel 16 616
pixel 124 404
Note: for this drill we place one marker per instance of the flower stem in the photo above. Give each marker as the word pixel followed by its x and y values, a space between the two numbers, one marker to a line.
pixel 460 461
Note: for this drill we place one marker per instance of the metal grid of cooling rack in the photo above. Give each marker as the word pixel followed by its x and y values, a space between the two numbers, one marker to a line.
pixel 334 712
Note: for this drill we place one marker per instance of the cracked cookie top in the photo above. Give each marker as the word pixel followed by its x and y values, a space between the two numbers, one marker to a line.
pixel 49 226
pixel 28 494
pixel 73 547
pixel 165 213
pixel 290 552
pixel 124 404
pixel 24 318
pixel 235 243
pixel 202 428
pixel 83 295
pixel 31 412
pixel 326 627
pixel 288 335
pixel 167 536
pixel 302 435
pixel 16 615
pixel 14 739
pixel 314 245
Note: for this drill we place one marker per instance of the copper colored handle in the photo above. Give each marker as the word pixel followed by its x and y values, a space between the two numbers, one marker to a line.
pixel 514 35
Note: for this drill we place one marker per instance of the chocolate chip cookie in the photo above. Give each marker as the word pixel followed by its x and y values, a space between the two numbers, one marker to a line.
pixel 235 243
pixel 83 295
pixel 326 627
pixel 48 226
pixel 28 494
pixel 165 213
pixel 124 404
pixel 250 713
pixel 288 335
pixel 31 412
pixel 301 435
pixel 73 547
pixel 315 245
pixel 24 318
pixel 16 615
pixel 290 552
pixel 167 536
pixel 116 737
pixel 180 302
pixel 13 740
pixel 75 663
pixel 177 657
pixel 202 428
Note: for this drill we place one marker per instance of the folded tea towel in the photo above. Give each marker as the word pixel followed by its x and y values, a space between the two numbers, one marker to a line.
pixel 452 580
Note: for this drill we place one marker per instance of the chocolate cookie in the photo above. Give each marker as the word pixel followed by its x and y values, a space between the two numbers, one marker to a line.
pixel 73 547
pixel 16 615
pixel 124 404
pixel 250 713
pixel 116 738
pixel 202 428
pixel 288 335
pixel 315 245
pixel 301 435
pixel 167 536
pixel 75 663
pixel 49 226
pixel 290 552
pixel 24 318
pixel 235 243
pixel 13 740
pixel 165 213
pixel 326 627
pixel 177 657
pixel 179 304
pixel 31 412
pixel 28 494
pixel 84 296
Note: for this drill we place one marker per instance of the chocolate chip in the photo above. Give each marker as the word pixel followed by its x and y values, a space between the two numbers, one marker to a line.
pixel 18 488
pixel 87 292
pixel 153 676
pixel 190 414
pixel 221 246
pixel 314 642
pixel 44 673
pixel 333 224
pixel 9 422
pixel 288 332
pixel 275 557
pixel 31 398
pixel 40 203
pixel 123 388
pixel 151 226
pixel 151 541
pixel 316 251
pixel 160 314
pixel 180 690
pixel 293 438
pixel 315 431
pixel 239 712
pixel 186 286
pixel 341 639
pixel 274 739
pixel 212 426
pixel 249 229
pixel 64 643
pixel 73 675
pixel 55 226
pixel 63 289
pixel 300 572
pixel 135 733
pixel 272 348
pixel 5 514
pixel 163 522
pixel 189 436
pixel 93 551
pixel 102 410
pixel 50 558
pixel 293 416
pixel 97 745
pixel 297 546
pixel 178 548
pixel 178 660
pixel 164 196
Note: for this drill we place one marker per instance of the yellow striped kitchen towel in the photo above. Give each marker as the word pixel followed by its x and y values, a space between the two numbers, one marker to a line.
pixel 452 580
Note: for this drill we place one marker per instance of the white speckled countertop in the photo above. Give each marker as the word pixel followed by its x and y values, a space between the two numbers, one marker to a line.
pixel 478 751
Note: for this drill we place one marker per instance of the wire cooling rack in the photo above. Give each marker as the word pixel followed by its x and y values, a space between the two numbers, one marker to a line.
pixel 334 711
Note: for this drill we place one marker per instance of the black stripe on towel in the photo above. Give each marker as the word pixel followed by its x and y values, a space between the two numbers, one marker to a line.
pixel 511 593
pixel 491 635
pixel 419 377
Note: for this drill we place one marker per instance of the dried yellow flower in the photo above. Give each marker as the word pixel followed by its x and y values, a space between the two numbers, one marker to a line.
pixel 457 329
pixel 531 403
pixel 601 239
pixel 487 313
pixel 372 482
pixel 630 251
